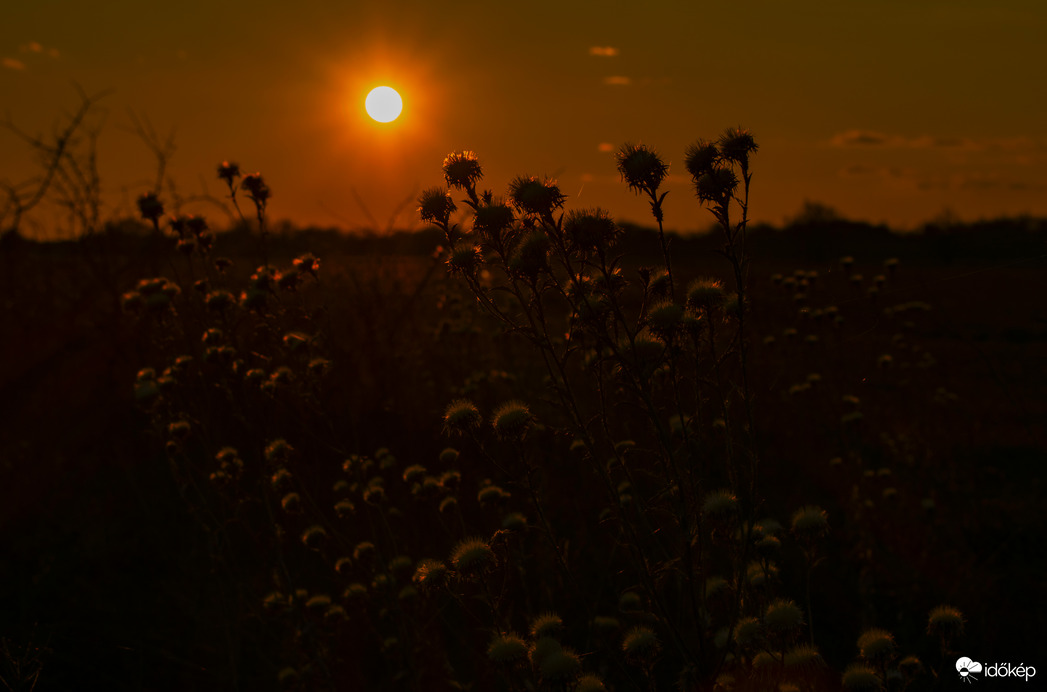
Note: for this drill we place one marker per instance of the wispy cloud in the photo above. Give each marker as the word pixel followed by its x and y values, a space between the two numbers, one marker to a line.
pixel 869 139
pixel 39 49
pixel 923 181
pixel 605 147
pixel 12 64
pixel 617 80
pixel 603 51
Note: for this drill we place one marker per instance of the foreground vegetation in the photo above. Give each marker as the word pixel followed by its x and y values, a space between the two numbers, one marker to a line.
pixel 544 453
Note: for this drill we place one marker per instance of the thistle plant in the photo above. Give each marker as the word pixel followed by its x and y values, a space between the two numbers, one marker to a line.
pixel 680 495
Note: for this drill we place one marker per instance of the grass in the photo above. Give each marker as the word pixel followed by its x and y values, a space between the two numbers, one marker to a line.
pixel 603 514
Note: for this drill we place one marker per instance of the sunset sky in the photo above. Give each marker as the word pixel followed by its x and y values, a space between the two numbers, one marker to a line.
pixel 893 110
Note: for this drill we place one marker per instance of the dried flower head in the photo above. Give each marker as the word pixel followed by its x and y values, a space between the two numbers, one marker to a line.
pixel 640 643
pixel 535 197
pixel 507 649
pixel 462 170
pixel 150 207
pixel 700 158
pixel 859 677
pixel 783 615
pixel 876 645
pixel 810 521
pixel 641 167
pixel 590 229
pixel 560 666
pixel 228 172
pixel 736 144
pixel 720 503
pixel 472 556
pixel 436 206
pixel 705 294
pixel 430 574
pixel 492 220
pixel 946 622
pixel 257 189
pixel 590 683
pixel 547 624
pixel 460 416
pixel 716 185
pixel 531 254
pixel 512 420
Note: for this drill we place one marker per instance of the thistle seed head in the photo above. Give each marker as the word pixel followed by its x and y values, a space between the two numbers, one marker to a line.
pixel 641 167
pixel 534 197
pixel 436 206
pixel 462 170
pixel 700 158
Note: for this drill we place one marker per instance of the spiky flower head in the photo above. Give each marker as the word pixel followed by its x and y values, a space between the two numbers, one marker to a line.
pixel 716 185
pixel 560 666
pixel 472 556
pixel 256 188
pixel 150 207
pixel 546 625
pixel 590 229
pixel 783 615
pixel 700 158
pixel 313 536
pixel 492 220
pixel 876 644
pixel 512 420
pixel 492 495
pixel 430 574
pixel 462 170
pixel 664 319
pixel 590 683
pixel 810 521
pixel 803 659
pixel 535 197
pixel 736 144
pixel 507 649
pixel 859 677
pixel 748 632
pixel 640 643
pixel 228 172
pixel 946 622
pixel 436 206
pixel 641 167
pixel 465 259
pixel 514 521
pixel 531 254
pixel 720 503
pixel 308 263
pixel 705 294
pixel 910 666
pixel 460 416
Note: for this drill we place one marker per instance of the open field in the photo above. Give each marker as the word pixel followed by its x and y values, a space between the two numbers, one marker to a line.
pixel 124 571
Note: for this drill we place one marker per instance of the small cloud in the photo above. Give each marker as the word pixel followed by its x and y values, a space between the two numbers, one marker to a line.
pixel 12 64
pixel 860 138
pixel 39 49
pixel 869 138
pixel 605 147
pixel 617 80
pixel 603 51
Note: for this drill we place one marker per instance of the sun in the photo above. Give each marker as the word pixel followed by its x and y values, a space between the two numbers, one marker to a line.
pixel 384 104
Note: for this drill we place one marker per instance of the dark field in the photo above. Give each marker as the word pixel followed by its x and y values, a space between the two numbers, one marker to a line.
pixel 124 568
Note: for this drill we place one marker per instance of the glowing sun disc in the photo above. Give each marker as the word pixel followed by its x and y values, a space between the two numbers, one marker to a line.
pixel 384 104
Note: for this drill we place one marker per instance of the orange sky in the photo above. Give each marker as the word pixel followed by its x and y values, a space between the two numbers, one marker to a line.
pixel 893 110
